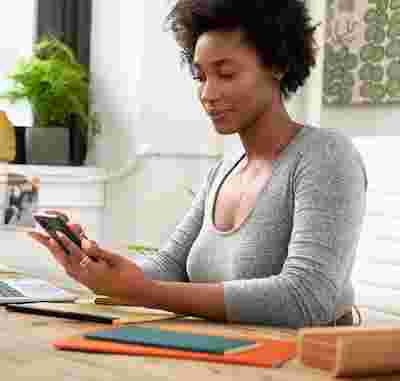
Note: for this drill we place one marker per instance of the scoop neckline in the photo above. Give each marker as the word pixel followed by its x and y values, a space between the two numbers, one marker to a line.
pixel 275 165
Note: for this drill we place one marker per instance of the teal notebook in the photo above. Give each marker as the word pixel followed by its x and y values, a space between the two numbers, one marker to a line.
pixel 169 339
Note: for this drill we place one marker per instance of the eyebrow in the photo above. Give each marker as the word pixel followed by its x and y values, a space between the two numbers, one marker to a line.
pixel 218 63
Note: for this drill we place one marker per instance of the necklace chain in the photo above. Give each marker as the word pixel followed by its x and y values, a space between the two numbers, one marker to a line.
pixel 242 192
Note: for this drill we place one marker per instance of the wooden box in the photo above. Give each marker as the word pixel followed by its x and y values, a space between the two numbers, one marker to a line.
pixel 347 351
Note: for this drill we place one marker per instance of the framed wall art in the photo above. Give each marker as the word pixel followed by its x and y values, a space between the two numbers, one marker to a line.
pixel 362 52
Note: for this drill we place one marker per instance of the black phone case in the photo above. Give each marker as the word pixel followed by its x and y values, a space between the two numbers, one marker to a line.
pixel 62 227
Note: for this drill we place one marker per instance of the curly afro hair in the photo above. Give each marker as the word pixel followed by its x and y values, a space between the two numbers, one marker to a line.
pixel 280 31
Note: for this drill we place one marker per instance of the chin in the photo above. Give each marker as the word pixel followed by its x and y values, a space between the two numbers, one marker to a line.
pixel 225 129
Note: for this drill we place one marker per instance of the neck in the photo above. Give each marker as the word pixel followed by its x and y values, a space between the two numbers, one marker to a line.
pixel 265 139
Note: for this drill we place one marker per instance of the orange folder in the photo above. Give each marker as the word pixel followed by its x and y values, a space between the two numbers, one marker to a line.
pixel 270 353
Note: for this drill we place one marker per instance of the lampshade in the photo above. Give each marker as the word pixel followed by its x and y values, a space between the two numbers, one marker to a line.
pixel 7 139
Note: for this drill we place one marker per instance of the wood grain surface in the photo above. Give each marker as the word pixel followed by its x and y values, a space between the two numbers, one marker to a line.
pixel 27 354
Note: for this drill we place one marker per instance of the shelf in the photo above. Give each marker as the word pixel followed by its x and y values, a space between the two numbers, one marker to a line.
pixel 61 174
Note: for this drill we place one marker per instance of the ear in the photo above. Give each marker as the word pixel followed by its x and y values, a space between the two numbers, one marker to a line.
pixel 278 73
pixel 277 76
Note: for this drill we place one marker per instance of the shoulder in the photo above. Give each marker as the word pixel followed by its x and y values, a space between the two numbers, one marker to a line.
pixel 330 152
pixel 328 143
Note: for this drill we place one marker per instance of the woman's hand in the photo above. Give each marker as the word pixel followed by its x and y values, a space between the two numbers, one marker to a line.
pixel 101 271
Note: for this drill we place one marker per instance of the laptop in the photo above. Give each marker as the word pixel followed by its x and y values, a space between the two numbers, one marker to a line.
pixel 27 290
pixel 19 196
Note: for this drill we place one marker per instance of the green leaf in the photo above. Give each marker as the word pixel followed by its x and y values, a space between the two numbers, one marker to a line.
pixel 394 30
pixel 373 16
pixel 393 49
pixel 393 88
pixel 393 70
pixel 374 91
pixel 54 83
pixel 372 53
pixel 395 4
pixel 375 34
pixel 369 72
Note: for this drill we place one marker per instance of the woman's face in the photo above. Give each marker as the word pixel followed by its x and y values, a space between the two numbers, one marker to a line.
pixel 234 87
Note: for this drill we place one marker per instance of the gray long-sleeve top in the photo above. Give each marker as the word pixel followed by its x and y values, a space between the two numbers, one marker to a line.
pixel 289 263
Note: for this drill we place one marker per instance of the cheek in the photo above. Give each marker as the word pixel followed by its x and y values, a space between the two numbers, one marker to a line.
pixel 250 95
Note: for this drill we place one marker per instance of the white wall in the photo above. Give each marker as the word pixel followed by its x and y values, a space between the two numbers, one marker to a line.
pixel 16 38
pixel 144 96
pixel 363 120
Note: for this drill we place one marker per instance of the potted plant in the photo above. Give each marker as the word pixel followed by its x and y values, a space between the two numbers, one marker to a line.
pixel 57 88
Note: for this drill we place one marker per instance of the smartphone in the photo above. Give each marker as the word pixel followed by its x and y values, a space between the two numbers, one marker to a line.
pixel 53 223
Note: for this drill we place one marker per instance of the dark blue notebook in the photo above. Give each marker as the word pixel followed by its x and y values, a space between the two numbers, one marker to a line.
pixel 169 339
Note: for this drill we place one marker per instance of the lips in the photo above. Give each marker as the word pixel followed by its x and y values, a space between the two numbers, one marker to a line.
pixel 217 115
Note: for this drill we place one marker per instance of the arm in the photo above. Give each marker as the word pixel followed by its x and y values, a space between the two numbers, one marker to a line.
pixel 204 300
pixel 134 282
pixel 170 262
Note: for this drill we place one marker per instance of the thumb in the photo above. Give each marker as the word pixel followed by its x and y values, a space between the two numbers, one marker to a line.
pixel 95 252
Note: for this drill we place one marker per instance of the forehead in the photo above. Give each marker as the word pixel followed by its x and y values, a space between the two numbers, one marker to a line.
pixel 221 46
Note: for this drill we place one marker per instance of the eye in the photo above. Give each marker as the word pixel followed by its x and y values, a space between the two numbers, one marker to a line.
pixel 198 78
pixel 196 74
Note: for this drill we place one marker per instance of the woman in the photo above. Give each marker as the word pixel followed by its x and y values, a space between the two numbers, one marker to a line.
pixel 271 236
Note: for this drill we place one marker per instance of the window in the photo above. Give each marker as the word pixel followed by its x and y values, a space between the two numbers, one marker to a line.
pixel 18 19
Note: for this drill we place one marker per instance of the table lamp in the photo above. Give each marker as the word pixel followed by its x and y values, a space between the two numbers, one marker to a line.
pixel 7 139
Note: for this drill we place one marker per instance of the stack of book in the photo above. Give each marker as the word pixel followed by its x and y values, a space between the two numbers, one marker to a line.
pixel 141 341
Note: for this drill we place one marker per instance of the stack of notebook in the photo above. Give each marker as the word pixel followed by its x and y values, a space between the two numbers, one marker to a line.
pixel 132 340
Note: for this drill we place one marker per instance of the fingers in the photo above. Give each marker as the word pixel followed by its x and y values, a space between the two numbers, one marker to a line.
pixel 46 241
pixel 73 249
pixel 78 230
pixel 77 264
pixel 41 238
pixel 85 261
pixel 89 258
pixel 52 245
pixel 96 253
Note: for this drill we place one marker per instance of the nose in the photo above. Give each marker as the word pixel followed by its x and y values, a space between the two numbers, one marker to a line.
pixel 210 91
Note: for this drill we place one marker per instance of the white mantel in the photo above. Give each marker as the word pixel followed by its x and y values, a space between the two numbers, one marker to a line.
pixel 79 191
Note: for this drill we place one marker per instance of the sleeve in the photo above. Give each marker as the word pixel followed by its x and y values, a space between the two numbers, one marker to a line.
pixel 170 262
pixel 329 185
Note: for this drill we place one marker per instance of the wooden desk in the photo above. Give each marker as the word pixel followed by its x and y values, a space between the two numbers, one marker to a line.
pixel 26 353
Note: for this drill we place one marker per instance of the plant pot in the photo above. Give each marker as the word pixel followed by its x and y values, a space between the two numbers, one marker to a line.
pixel 48 145
pixel 78 146
pixel 36 145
